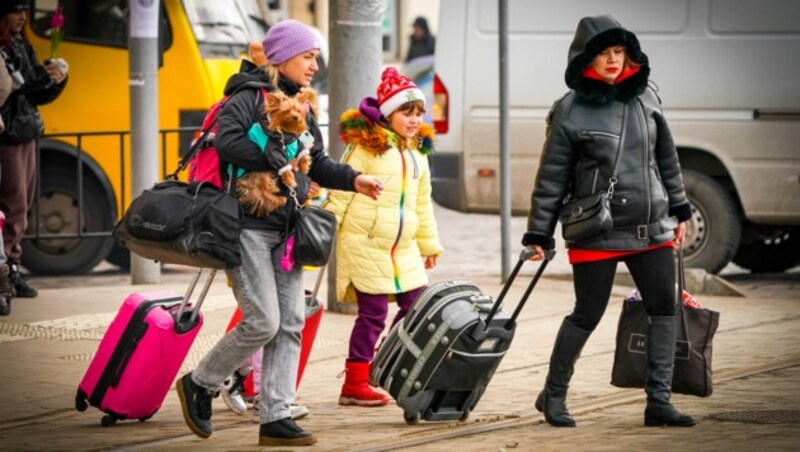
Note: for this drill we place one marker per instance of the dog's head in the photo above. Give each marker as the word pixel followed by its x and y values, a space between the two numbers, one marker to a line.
pixel 286 114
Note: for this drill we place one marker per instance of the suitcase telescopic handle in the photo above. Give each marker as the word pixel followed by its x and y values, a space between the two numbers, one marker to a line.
pixel 523 256
pixel 318 281
pixel 201 298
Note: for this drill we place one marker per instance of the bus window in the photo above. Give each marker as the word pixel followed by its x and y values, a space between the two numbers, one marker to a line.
pixel 98 22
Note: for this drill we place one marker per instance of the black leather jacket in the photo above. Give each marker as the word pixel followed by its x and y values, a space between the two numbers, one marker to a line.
pixel 583 135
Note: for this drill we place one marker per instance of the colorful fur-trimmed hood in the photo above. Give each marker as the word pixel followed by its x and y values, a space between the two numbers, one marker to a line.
pixel 355 127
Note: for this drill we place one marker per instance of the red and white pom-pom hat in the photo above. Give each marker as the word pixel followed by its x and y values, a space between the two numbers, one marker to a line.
pixel 395 90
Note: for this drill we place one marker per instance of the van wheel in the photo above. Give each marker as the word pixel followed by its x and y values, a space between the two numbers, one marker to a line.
pixel 773 250
pixel 58 214
pixel 714 231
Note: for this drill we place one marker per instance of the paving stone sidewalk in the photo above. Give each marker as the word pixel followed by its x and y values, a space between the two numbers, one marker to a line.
pixel 45 348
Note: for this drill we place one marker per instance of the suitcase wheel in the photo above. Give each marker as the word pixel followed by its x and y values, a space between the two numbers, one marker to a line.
pixel 80 402
pixel 411 419
pixel 144 418
pixel 108 420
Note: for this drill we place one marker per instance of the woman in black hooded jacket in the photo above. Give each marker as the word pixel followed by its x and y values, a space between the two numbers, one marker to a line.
pixel 611 114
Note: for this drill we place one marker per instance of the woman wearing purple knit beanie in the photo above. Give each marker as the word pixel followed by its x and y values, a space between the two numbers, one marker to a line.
pixel 271 299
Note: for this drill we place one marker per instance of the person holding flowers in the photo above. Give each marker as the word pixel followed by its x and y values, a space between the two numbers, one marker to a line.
pixel 33 84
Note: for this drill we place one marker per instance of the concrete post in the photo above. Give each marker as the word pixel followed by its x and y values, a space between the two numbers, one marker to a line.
pixel 143 61
pixel 356 58
pixel 505 139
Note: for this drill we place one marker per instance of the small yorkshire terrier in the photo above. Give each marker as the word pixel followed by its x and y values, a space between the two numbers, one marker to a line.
pixel 259 191
pixel 285 116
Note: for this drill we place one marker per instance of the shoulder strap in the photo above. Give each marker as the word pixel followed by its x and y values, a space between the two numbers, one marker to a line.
pixel 612 181
pixel 192 151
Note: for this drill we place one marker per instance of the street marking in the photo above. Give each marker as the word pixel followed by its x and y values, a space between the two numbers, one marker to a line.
pixel 78 322
pixel 13 332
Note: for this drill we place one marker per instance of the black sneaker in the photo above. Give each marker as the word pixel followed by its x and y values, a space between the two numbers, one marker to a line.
pixel 196 406
pixel 21 287
pixel 284 432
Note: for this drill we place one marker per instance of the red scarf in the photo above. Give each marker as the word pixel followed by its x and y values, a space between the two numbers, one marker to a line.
pixel 629 70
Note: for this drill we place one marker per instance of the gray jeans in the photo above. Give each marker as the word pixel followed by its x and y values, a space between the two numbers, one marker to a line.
pixel 272 303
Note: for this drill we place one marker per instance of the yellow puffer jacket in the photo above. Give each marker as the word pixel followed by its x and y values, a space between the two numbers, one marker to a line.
pixel 381 245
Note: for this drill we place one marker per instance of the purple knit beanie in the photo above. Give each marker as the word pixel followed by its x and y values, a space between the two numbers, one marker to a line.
pixel 288 38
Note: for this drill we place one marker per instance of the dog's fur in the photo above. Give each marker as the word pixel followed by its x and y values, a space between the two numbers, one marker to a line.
pixel 259 191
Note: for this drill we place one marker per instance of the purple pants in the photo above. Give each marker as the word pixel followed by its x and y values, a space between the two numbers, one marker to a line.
pixel 372 311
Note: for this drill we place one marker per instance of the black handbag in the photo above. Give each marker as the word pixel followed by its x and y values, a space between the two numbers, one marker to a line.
pixel 692 374
pixel 590 217
pixel 188 224
pixel 314 232
pixel 587 217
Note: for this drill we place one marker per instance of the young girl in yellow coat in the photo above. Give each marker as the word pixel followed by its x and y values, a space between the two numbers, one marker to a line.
pixel 384 246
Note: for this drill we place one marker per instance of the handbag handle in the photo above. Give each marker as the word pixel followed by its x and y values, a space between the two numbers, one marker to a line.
pixel 681 288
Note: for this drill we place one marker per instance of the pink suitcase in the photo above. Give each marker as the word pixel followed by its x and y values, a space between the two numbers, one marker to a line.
pixel 141 353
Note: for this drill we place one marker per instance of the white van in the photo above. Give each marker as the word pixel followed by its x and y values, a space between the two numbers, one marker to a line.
pixel 726 71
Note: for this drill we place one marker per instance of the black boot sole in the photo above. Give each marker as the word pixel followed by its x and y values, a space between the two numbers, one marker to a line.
pixel 663 423
pixel 271 441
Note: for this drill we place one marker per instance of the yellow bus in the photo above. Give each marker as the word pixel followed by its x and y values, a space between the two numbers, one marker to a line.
pixel 201 44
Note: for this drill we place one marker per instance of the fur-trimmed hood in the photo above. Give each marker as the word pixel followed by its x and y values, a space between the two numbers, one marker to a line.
pixel 593 35
pixel 356 127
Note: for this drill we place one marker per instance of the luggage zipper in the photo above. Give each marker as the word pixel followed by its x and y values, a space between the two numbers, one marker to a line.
pixel 134 331
pixel 395 269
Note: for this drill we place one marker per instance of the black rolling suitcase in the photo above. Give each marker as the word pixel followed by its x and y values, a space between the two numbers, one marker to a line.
pixel 438 360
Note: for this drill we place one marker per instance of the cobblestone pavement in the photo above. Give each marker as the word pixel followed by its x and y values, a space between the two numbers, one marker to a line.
pixel 46 345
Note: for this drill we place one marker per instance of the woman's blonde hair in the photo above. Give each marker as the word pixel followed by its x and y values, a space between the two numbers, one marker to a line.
pixel 274 75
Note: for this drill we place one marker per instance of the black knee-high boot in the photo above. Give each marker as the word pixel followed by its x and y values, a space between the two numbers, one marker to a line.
pixel 661 362
pixel 552 401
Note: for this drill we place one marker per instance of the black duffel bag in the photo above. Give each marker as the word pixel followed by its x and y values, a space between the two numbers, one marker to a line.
pixel 193 224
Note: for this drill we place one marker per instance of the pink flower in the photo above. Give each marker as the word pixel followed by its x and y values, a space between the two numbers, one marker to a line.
pixel 56 30
pixel 57 21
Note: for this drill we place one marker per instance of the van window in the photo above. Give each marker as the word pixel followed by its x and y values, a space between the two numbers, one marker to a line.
pixel 648 16
pixel 99 22
pixel 754 16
